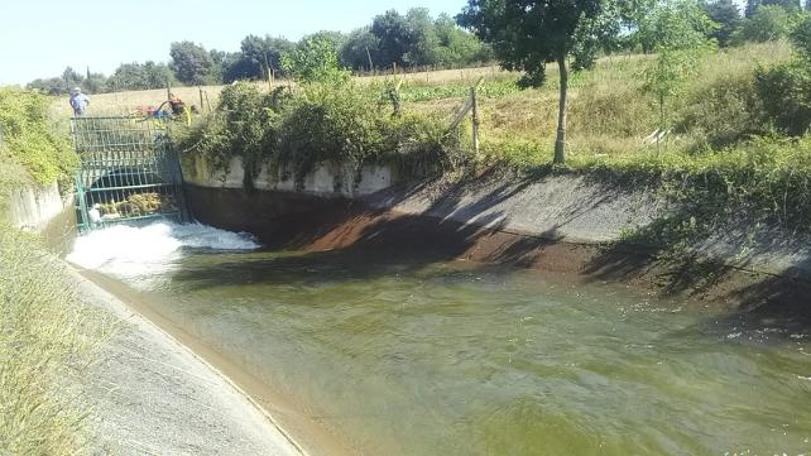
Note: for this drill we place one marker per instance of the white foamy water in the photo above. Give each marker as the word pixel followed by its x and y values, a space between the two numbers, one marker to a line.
pixel 144 252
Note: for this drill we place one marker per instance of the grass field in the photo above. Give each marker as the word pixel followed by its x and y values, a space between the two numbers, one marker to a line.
pixel 127 102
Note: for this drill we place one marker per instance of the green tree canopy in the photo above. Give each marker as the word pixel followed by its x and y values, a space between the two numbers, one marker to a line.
pixel 315 59
pixel 360 49
pixel 395 37
pixel 527 34
pixel 677 31
pixel 141 76
pixel 728 17
pixel 768 23
pixel 191 63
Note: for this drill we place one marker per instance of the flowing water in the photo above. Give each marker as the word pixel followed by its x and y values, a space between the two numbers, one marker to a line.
pixel 402 356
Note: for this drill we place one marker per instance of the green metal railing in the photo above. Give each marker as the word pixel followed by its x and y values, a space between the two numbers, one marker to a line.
pixel 129 172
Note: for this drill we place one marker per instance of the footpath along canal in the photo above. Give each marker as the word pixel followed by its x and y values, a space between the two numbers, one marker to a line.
pixel 396 354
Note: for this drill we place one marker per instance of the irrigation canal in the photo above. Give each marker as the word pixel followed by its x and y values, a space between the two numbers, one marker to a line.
pixel 398 355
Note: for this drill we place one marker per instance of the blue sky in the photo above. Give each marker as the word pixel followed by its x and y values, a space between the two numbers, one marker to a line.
pixel 39 38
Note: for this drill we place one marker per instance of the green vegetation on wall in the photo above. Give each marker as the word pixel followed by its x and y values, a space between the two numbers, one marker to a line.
pixel 320 123
pixel 28 137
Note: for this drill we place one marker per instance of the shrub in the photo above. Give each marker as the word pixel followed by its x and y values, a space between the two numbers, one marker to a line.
pixel 801 36
pixel 329 124
pixel 323 123
pixel 785 92
pixel 722 112
pixel 315 59
pixel 27 138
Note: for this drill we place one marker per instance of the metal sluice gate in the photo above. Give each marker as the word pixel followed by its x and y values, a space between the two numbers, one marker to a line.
pixel 128 172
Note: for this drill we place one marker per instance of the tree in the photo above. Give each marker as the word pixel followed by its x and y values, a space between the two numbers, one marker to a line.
pixel 527 34
pixel 751 7
pixel 788 5
pixel 801 37
pixel 728 17
pixel 769 23
pixel 256 54
pixel 395 37
pixel 678 31
pixel 191 63
pixel 808 5
pixel 360 49
pixel 72 78
pixel 50 86
pixel 315 59
pixel 94 83
pixel 140 76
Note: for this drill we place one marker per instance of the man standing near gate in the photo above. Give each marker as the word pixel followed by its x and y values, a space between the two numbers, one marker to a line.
pixel 78 101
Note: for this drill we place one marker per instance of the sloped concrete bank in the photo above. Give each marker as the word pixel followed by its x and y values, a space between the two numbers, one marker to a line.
pixel 558 223
pixel 148 393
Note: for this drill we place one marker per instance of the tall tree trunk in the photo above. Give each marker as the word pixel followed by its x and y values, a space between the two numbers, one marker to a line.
pixel 560 141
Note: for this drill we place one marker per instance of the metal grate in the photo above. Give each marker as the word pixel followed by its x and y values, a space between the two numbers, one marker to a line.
pixel 129 172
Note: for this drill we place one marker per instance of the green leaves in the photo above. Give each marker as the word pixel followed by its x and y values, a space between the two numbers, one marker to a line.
pixel 323 123
pixel 315 60
pixel 785 90
pixel 28 138
pixel 677 31
pixel 527 34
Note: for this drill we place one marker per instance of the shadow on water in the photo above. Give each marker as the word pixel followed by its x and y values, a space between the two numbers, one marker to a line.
pixel 454 226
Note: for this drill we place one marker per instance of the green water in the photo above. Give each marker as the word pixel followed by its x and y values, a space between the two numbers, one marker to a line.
pixel 420 358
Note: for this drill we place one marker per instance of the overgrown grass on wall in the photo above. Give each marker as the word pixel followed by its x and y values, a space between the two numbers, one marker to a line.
pixel 293 132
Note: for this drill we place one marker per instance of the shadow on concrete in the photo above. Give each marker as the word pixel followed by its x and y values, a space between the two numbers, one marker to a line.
pixel 371 240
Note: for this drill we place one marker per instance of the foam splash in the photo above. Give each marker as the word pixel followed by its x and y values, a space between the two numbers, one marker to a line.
pixel 130 252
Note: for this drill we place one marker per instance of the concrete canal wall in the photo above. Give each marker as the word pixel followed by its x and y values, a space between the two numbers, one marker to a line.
pixel 565 223
pixel 148 393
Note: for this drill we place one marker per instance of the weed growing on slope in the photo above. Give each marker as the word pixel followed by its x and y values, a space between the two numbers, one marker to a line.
pixel 46 336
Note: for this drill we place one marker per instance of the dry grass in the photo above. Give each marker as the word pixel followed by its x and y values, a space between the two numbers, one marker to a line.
pixel 46 337
pixel 609 113
pixel 121 103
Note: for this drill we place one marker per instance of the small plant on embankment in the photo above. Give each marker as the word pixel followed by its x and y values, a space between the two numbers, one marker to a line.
pixel 329 120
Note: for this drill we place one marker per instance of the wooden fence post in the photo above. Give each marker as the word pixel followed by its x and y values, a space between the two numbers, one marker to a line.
pixel 200 89
pixel 475 107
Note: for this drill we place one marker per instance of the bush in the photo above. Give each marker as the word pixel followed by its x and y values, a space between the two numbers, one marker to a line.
pixel 27 138
pixel 801 36
pixel 722 112
pixel 323 123
pixel 785 92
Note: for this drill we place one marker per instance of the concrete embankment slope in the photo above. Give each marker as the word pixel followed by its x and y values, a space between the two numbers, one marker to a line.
pixel 567 223
pixel 146 392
